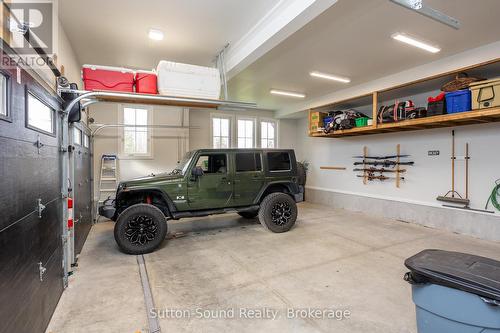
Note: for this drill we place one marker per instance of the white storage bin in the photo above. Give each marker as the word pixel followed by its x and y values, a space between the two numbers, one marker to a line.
pixel 183 80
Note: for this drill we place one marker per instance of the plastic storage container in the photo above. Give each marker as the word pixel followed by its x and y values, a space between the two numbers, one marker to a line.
pixel 436 105
pixel 485 94
pixel 146 82
pixel 107 78
pixel 455 292
pixel 458 101
pixel 362 122
pixel 183 80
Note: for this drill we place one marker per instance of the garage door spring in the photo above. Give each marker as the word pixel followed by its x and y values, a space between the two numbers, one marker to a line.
pixel 495 194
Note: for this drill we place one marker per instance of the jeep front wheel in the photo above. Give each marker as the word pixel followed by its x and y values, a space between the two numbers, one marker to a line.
pixel 278 212
pixel 140 229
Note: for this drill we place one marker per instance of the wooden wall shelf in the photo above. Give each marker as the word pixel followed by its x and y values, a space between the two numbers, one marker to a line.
pixel 448 120
pixel 488 70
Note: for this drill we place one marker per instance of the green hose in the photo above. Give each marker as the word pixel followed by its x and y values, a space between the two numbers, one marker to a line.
pixel 495 194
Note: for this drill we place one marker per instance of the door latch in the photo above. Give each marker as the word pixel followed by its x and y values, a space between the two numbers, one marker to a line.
pixel 41 270
pixel 40 208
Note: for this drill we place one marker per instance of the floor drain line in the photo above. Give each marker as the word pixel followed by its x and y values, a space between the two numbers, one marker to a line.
pixel 154 324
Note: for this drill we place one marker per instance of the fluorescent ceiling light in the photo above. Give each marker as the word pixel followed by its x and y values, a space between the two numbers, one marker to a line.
pixel 330 77
pixel 414 42
pixel 287 93
pixel 156 34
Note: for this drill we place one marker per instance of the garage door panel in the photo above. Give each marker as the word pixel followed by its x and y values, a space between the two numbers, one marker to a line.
pixel 82 194
pixel 19 274
pixel 51 286
pixel 30 177
pixel 29 172
pixel 49 230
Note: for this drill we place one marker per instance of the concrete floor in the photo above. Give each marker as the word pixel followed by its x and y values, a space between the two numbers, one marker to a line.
pixel 332 259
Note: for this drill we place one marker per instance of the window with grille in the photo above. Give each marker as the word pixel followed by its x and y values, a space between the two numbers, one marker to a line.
pixel 136 136
pixel 268 133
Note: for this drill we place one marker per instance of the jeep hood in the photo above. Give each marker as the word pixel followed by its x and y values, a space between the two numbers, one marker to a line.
pixel 150 179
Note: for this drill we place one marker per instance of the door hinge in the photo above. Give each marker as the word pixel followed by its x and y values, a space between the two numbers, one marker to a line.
pixel 41 270
pixel 40 208
pixel 38 144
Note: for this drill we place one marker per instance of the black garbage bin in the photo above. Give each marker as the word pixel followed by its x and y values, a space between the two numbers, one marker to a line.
pixel 455 292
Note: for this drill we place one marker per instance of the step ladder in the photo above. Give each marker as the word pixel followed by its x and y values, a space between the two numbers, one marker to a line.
pixel 108 181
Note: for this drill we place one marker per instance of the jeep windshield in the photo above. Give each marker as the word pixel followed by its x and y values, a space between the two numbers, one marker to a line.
pixel 182 166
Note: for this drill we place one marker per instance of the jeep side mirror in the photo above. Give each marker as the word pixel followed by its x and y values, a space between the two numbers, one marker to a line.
pixel 197 172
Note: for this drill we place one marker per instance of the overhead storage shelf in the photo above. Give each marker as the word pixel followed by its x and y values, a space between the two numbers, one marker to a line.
pixel 90 97
pixel 369 104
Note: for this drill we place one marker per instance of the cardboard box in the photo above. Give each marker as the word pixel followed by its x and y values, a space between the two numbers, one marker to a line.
pixel 317 117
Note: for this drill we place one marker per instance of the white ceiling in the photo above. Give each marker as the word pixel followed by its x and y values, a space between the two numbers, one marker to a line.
pixel 352 38
pixel 114 32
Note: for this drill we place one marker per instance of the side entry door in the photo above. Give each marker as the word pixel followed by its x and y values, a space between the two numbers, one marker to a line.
pixel 248 177
pixel 214 188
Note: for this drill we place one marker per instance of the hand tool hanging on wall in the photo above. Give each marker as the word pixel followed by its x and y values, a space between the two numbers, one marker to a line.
pixel 453 196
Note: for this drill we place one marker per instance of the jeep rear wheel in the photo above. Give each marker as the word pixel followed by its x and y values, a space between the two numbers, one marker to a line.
pixel 249 214
pixel 278 212
pixel 140 229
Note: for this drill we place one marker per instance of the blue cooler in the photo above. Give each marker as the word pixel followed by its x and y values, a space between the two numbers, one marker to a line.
pixel 455 292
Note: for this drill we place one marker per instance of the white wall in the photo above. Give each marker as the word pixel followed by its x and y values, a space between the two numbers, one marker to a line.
pixel 431 175
pixel 168 145
pixel 200 123
pixel 428 178
pixel 67 57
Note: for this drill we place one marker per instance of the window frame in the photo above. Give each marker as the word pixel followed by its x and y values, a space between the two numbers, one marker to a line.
pixel 121 137
pixel 8 92
pixel 254 132
pixel 276 132
pixel 80 134
pixel 27 94
pixel 86 140
pixel 279 152
pixel 248 152
pixel 231 128
pixel 202 154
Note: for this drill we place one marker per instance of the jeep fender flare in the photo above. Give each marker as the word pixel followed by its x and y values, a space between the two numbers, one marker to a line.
pixel 289 185
pixel 170 204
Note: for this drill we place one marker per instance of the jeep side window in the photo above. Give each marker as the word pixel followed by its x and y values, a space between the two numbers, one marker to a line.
pixel 213 163
pixel 248 162
pixel 279 161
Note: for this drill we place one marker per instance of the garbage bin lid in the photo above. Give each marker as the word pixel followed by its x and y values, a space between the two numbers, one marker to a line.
pixel 466 272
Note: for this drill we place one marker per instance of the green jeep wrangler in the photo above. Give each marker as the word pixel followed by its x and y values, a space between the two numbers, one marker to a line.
pixel 251 182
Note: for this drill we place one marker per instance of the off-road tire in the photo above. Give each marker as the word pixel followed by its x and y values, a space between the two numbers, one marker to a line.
pixel 249 214
pixel 278 212
pixel 140 229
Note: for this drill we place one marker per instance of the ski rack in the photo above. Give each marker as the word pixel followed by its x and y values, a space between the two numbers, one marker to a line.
pixel 92 97
pixel 368 176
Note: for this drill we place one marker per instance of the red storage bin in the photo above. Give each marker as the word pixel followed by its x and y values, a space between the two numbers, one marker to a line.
pixel 107 78
pixel 146 82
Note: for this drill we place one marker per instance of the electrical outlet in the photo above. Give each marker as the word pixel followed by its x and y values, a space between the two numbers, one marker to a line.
pixel 433 153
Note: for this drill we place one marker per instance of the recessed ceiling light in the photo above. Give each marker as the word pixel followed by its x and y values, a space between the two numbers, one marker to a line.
pixel 287 93
pixel 156 34
pixel 414 42
pixel 330 77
